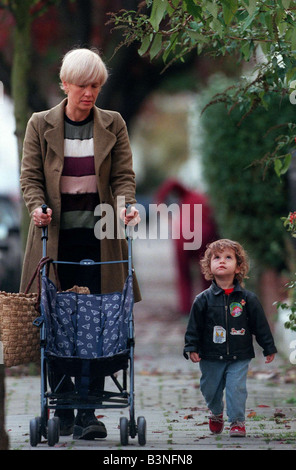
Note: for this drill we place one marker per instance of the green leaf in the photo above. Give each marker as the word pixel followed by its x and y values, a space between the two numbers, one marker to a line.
pixel 155 46
pixel 286 163
pixel 216 25
pixel 277 167
pixel 170 46
pixel 246 49
pixel 249 20
pixel 193 9
pixel 212 8
pixel 286 3
pixel 293 39
pixel 229 9
pixel 250 6
pixel 268 21
pixel 282 167
pixel 158 11
pixel 144 46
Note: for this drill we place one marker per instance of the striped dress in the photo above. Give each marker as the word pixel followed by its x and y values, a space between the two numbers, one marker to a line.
pixel 79 196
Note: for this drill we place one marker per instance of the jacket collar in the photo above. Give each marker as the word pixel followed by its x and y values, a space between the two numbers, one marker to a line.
pixel 55 115
pixel 216 290
pixel 103 138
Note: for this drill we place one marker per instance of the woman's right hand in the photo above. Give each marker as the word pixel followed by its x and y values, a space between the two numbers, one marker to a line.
pixel 40 219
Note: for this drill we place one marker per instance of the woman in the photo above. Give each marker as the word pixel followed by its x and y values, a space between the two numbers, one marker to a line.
pixel 77 157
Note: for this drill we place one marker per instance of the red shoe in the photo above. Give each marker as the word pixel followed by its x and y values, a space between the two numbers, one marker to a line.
pixel 216 423
pixel 237 430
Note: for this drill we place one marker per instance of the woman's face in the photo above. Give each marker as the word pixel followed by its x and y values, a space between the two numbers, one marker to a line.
pixel 81 98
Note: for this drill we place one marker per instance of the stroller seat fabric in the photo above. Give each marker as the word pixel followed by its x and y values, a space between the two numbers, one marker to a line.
pixel 86 326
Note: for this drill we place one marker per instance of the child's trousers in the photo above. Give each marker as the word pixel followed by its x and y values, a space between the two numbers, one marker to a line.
pixel 231 376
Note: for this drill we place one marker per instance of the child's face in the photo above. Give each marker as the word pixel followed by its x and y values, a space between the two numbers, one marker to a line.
pixel 224 264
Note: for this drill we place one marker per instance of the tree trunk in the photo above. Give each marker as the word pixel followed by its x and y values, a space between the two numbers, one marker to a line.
pixel 19 82
pixel 19 87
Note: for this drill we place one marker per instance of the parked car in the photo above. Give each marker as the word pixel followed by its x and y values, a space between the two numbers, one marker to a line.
pixel 10 244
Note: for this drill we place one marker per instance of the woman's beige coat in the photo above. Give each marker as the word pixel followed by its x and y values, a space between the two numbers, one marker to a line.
pixel 41 169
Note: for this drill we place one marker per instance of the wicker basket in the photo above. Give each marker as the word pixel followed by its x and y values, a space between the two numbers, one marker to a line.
pixel 20 338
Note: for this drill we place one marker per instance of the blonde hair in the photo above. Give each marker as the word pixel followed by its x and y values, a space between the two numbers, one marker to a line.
pixel 217 247
pixel 83 67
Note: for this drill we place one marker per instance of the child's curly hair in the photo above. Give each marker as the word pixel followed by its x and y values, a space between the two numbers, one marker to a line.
pixel 217 247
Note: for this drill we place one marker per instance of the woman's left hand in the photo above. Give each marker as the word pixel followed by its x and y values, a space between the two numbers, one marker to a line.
pixel 40 219
pixel 132 218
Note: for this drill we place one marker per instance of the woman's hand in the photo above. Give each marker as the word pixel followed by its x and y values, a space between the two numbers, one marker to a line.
pixel 132 218
pixel 40 219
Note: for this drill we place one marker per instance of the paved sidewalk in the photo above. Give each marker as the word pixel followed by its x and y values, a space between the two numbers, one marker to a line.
pixel 167 386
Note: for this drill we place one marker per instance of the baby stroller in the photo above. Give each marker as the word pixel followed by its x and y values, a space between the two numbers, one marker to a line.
pixel 85 334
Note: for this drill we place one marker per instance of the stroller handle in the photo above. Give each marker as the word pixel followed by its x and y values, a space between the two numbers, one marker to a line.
pixel 128 234
pixel 44 208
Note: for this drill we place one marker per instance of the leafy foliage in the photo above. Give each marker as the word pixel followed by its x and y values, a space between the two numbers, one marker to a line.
pixel 248 202
pixel 260 32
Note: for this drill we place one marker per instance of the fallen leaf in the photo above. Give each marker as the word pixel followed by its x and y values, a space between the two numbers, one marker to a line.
pixel 252 414
pixel 279 414
pixel 188 417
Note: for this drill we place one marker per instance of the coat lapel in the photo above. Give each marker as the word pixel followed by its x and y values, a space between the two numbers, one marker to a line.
pixel 104 140
pixel 54 135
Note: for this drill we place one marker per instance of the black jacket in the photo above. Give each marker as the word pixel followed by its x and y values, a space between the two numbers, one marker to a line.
pixel 222 326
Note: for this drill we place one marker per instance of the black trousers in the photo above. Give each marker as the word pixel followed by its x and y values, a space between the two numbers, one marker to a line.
pixel 83 276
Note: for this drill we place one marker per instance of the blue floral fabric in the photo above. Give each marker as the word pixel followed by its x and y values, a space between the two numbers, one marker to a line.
pixel 87 326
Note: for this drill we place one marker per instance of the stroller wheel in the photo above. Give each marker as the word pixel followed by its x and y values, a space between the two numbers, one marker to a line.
pixel 141 424
pixel 123 426
pixel 53 431
pixel 35 431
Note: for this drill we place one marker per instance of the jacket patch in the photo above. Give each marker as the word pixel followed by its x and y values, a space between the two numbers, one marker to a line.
pixel 236 309
pixel 237 332
pixel 219 334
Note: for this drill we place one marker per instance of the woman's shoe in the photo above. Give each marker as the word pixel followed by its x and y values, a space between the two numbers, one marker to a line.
pixel 66 418
pixel 88 427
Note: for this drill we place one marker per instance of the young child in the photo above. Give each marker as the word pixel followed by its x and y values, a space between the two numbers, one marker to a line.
pixel 222 320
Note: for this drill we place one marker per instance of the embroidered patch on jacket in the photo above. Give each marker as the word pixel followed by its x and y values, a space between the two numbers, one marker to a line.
pixel 219 334
pixel 237 332
pixel 236 309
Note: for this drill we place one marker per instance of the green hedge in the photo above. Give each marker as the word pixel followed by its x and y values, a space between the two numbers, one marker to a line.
pixel 248 203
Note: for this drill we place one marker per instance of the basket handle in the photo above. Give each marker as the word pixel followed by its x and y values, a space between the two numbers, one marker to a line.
pixel 40 265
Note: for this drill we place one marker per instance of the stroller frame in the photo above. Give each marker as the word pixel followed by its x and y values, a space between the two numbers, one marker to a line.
pixel 48 427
